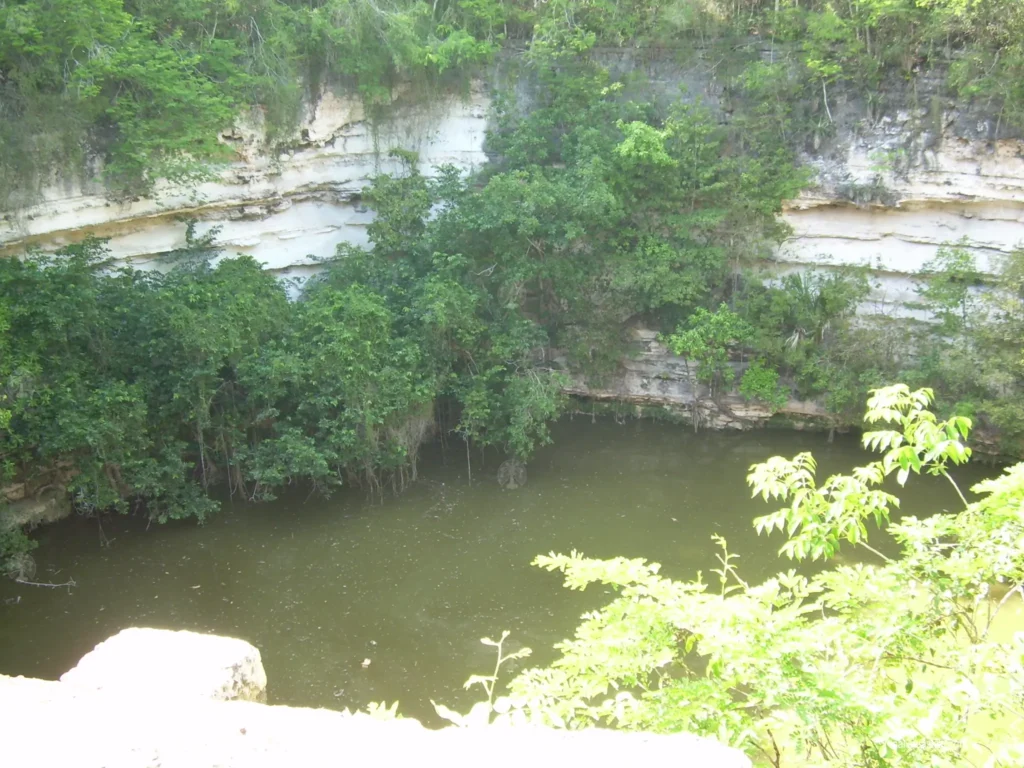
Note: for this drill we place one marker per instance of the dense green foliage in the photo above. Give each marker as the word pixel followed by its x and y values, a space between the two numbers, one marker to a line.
pixel 966 344
pixel 144 389
pixel 804 326
pixel 147 388
pixel 972 352
pixel 704 342
pixel 147 87
pixel 896 662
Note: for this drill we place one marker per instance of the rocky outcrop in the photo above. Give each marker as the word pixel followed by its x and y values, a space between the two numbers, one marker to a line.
pixel 56 725
pixel 651 377
pixel 892 190
pixel 163 664
pixel 48 506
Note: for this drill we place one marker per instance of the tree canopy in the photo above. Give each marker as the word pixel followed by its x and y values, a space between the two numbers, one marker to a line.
pixel 146 87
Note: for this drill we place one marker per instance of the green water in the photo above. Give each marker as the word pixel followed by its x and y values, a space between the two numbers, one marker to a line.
pixel 412 583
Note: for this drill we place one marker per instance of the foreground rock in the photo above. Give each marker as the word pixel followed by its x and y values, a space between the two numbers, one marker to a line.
pixel 651 377
pixel 99 717
pixel 104 729
pixel 158 663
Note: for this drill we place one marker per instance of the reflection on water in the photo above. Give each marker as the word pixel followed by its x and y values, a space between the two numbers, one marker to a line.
pixel 413 583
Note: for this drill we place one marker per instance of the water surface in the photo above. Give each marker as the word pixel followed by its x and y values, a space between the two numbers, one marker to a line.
pixel 412 583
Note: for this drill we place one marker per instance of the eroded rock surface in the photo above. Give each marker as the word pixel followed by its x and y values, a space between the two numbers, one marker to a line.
pixel 652 377
pixel 49 506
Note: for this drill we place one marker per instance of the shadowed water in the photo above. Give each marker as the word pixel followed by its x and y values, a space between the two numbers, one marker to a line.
pixel 412 583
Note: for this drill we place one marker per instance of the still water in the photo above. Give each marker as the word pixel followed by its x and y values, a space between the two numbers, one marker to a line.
pixel 412 583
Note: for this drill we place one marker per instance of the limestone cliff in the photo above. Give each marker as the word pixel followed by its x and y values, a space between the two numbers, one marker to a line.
pixel 895 189
pixel 285 208
pixel 888 188
pixel 890 185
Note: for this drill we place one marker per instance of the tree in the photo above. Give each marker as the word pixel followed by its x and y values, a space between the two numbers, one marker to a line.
pixel 949 289
pixel 891 663
pixel 705 340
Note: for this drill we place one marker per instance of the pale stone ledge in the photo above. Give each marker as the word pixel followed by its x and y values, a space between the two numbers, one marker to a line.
pixel 92 721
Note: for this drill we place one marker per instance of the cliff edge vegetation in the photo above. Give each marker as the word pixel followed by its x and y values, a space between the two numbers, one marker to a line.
pixel 131 92
pixel 142 390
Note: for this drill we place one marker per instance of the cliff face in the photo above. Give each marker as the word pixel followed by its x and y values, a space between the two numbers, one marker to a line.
pixel 888 188
pixel 892 191
pixel 284 209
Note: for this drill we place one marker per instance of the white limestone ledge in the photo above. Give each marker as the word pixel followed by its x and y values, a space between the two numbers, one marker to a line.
pixel 89 722
pixel 887 193
pixel 285 209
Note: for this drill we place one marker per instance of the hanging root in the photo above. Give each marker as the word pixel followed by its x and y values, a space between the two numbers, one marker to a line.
pixel 409 436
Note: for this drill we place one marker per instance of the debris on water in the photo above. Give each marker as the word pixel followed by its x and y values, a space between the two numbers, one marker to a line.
pixel 512 474
pixel 366 663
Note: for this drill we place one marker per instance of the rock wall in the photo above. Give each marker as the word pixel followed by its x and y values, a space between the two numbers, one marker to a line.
pixel 285 209
pixel 104 721
pixel 890 185
pixel 892 191
pixel 654 381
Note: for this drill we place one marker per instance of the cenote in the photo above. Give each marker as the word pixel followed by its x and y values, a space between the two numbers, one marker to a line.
pixel 413 582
